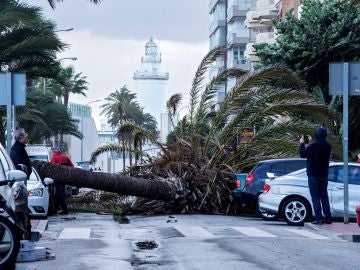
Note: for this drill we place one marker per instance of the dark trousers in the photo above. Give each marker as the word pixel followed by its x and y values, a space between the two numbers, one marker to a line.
pixel 319 197
pixel 60 197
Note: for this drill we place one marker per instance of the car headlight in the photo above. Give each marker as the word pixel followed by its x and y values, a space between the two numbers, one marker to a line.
pixel 16 192
pixel 39 192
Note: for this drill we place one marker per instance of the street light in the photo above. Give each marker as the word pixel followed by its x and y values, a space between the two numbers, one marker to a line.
pixel 82 128
pixel 64 30
pixel 68 58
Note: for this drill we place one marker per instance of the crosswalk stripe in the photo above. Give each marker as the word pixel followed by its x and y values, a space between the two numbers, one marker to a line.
pixel 75 233
pixel 193 231
pixel 307 234
pixel 253 232
pixel 135 234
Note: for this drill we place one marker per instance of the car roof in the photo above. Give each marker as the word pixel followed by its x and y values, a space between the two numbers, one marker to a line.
pixel 282 160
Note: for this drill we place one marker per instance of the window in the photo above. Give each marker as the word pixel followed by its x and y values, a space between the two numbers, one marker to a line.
pixel 354 175
pixel 295 165
pixel 332 174
pixel 278 169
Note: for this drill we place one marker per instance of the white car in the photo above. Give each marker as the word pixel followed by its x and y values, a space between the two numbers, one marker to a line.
pixel 38 194
pixel 289 196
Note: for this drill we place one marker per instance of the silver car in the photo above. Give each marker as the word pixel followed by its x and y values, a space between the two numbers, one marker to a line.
pixel 289 196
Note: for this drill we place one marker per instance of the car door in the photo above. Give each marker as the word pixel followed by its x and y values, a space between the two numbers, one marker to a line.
pixel 337 192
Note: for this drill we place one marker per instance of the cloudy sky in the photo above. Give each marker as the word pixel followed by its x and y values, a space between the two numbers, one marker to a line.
pixel 109 39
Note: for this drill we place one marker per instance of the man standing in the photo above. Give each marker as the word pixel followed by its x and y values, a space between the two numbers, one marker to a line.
pixel 59 158
pixel 18 153
pixel 318 157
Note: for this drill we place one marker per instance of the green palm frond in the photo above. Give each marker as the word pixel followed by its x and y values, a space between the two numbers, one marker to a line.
pixel 115 147
pixel 200 75
pixel 52 3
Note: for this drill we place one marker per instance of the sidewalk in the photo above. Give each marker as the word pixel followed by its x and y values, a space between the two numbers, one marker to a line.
pixel 350 232
pixel 38 226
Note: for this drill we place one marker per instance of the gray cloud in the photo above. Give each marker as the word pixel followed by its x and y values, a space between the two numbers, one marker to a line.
pixel 177 20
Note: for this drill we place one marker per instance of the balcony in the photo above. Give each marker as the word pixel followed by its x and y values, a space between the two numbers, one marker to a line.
pixel 215 25
pixel 267 37
pixel 250 53
pixel 241 63
pixel 235 11
pixel 233 39
pixel 213 3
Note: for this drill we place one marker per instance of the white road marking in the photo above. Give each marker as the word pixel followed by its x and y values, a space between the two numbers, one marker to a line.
pixel 193 231
pixel 75 233
pixel 253 232
pixel 308 234
pixel 135 234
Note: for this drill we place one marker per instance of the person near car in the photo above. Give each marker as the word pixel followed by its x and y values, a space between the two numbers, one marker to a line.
pixel 19 156
pixel 60 158
pixel 318 157
pixel 18 153
pixel 358 158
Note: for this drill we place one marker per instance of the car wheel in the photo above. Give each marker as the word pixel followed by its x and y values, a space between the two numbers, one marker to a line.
pixel 10 244
pixel 295 211
pixel 265 215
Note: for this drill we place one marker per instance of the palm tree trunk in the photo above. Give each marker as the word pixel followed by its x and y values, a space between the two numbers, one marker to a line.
pixel 154 189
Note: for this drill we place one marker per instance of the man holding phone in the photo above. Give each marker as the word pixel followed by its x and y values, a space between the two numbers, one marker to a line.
pixel 318 157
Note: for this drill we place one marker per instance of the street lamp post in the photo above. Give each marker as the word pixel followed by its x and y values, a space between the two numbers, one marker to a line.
pixel 82 129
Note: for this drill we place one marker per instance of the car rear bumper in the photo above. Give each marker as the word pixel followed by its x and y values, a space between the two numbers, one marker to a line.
pixel 270 202
pixel 244 198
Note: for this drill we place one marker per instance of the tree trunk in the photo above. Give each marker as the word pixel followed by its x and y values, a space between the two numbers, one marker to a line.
pixel 154 188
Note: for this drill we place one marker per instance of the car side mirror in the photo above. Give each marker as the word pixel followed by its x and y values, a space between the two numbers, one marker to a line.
pixel 48 181
pixel 15 176
pixel 270 175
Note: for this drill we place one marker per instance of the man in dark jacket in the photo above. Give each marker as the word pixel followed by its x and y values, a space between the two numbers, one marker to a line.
pixel 318 157
pixel 18 153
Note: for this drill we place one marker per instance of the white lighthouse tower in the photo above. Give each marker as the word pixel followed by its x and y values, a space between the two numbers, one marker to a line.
pixel 151 86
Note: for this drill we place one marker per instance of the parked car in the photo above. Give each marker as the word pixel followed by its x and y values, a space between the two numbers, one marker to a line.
pixel 11 230
pixel 289 195
pixel 255 179
pixel 38 194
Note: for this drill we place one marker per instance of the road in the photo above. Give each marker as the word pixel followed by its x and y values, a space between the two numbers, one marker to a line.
pixel 198 242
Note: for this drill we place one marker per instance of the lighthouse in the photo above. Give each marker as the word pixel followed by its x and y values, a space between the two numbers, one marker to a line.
pixel 151 87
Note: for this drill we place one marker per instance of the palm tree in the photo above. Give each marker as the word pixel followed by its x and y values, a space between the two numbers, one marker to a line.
pixel 44 118
pixel 68 82
pixel 121 107
pixel 52 3
pixel 199 165
pixel 28 42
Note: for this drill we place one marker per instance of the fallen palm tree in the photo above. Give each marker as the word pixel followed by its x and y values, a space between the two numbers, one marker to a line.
pixel 194 171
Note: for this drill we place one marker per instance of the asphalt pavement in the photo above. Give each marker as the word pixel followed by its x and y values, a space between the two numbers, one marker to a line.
pixel 199 242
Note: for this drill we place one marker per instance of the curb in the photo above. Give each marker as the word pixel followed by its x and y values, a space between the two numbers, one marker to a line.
pixel 39 230
pixel 351 237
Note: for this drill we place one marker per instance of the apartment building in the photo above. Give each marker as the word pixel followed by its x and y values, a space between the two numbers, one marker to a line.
pixel 260 21
pixel 240 24
pixel 227 27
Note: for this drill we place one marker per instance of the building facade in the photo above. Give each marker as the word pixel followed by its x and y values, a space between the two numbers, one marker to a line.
pixel 151 86
pixel 80 149
pixel 227 27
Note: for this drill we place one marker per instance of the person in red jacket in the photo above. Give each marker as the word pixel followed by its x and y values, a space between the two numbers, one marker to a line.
pixel 358 158
pixel 60 158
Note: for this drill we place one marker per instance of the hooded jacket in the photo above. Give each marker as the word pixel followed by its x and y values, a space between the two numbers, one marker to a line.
pixel 317 154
